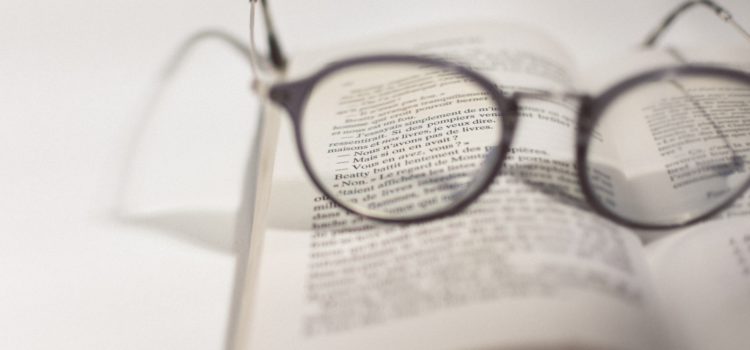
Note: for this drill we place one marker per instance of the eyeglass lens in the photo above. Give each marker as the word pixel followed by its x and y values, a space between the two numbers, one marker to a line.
pixel 694 160
pixel 400 140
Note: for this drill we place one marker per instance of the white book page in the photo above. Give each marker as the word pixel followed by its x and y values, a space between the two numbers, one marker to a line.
pixel 525 266
pixel 702 277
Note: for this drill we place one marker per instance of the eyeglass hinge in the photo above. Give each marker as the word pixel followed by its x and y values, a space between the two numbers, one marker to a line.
pixel 259 87
pixel 724 15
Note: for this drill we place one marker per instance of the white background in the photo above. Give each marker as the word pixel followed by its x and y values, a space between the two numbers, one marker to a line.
pixel 117 199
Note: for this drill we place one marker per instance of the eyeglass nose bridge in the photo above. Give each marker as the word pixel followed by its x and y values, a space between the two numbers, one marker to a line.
pixel 586 119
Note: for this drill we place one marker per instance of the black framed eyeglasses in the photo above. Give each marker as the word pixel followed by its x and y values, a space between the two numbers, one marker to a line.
pixel 402 138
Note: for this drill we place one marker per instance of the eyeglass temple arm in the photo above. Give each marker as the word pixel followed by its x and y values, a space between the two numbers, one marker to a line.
pixel 277 57
pixel 277 54
pixel 721 12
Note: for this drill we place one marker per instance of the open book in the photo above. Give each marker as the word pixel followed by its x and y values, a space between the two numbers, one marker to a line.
pixel 527 266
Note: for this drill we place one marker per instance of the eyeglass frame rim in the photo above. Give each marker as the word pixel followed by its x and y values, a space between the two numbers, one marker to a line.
pixel 294 95
pixel 588 121
pixel 298 92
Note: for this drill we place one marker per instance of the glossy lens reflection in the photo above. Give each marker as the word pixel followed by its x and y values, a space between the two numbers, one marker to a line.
pixel 400 140
pixel 667 151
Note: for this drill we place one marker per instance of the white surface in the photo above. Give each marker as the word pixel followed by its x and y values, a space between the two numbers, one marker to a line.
pixel 77 143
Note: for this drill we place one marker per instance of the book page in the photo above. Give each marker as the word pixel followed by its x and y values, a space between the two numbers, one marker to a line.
pixel 703 279
pixel 526 266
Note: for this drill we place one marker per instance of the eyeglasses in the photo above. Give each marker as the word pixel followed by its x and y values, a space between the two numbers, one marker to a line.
pixel 402 138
